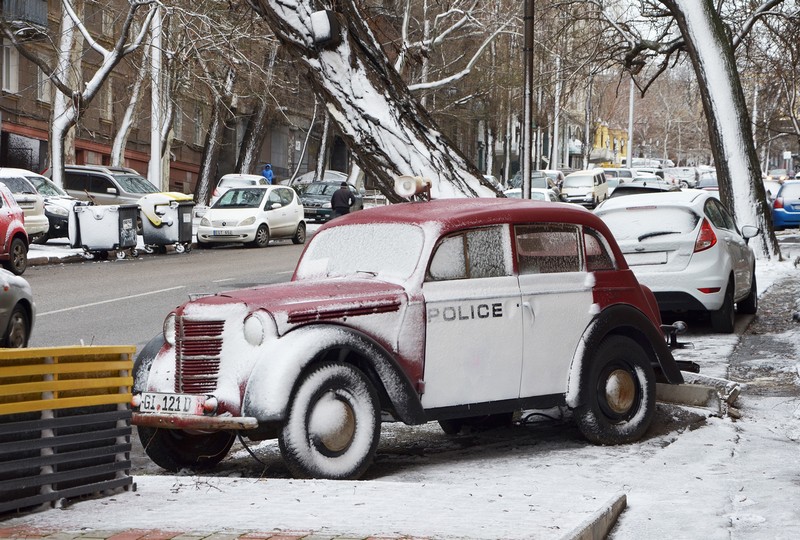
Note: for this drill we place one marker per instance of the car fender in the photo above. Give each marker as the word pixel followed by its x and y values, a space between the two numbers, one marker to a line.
pixel 272 381
pixel 628 321
pixel 144 361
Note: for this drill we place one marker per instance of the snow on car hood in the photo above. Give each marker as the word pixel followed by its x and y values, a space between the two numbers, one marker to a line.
pixel 303 301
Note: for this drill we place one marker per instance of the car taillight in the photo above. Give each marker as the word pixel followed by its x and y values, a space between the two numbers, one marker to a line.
pixel 777 203
pixel 706 238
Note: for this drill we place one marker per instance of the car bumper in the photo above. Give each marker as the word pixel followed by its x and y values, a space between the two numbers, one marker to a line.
pixel 680 290
pixel 317 214
pixel 783 218
pixel 59 226
pixel 36 225
pixel 226 235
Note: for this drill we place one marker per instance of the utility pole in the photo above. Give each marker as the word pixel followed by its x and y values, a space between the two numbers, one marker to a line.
pixel 527 128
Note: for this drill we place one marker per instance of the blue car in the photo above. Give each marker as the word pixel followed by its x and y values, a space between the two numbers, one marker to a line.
pixel 786 206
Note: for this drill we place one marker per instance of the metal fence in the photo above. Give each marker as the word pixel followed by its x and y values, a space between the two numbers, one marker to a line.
pixel 64 424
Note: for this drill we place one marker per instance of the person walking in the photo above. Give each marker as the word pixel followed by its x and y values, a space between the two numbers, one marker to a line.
pixel 267 173
pixel 341 201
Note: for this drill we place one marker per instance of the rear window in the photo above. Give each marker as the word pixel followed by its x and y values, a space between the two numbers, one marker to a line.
pixel 790 191
pixel 17 185
pixel 639 223
pixel 240 182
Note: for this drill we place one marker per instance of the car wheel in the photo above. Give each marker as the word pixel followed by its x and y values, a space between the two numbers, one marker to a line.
pixel 17 257
pixel 749 305
pixel 619 393
pixel 18 329
pixel 333 425
pixel 262 236
pixel 300 234
pixel 174 449
pixel 722 319
pixel 42 239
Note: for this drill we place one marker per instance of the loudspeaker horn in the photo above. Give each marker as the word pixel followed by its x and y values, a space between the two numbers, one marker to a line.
pixel 407 186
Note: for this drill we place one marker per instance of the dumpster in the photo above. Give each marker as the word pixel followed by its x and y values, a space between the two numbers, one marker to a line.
pixel 99 229
pixel 166 220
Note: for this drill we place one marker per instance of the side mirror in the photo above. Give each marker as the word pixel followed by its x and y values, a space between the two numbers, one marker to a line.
pixel 749 231
pixel 274 206
pixel 112 191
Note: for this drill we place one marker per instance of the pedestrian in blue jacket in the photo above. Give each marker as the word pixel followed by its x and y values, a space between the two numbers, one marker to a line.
pixel 267 173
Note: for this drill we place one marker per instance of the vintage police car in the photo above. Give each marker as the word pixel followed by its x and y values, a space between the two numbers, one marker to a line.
pixel 449 310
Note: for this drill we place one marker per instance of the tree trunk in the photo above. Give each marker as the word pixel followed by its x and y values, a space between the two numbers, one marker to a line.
pixel 322 155
pixel 253 138
pixel 121 138
pixel 729 126
pixel 211 149
pixel 385 127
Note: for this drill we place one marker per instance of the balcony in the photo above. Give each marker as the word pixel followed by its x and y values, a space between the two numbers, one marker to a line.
pixel 28 17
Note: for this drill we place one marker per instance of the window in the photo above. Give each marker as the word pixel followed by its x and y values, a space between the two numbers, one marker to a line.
pixel 44 88
pixel 598 254
pixel 719 216
pixel 76 181
pixel 100 184
pixel 547 248
pixel 274 198
pixel 10 67
pixel 287 196
pixel 473 254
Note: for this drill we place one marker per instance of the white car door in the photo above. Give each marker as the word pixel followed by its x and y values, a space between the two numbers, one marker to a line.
pixel 279 215
pixel 737 248
pixel 557 303
pixel 473 333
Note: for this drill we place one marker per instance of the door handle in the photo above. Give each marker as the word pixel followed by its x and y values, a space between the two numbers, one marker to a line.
pixel 527 307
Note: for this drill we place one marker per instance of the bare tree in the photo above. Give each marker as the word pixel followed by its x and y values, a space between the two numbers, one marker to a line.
pixel 75 92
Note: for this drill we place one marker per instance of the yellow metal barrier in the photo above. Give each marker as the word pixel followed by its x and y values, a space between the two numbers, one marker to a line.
pixel 64 423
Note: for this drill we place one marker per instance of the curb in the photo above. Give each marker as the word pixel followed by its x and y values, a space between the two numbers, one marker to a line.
pixel 44 260
pixel 600 524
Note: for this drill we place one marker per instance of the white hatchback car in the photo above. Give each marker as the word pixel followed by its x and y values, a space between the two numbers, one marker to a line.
pixel 686 247
pixel 253 215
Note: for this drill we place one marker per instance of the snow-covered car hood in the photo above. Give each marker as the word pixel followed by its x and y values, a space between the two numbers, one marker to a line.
pixel 298 302
pixel 231 215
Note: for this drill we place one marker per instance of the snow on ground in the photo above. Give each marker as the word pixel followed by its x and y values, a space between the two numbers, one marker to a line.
pixel 718 479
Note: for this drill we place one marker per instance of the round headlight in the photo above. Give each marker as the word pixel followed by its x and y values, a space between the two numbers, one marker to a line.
pixel 248 221
pixel 205 222
pixel 169 329
pixel 257 326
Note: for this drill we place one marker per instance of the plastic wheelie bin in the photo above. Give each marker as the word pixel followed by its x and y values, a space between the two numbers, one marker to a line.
pixel 99 229
pixel 166 220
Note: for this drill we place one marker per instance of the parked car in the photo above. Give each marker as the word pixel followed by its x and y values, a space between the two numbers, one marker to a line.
pixel 316 199
pixel 537 194
pixel 686 247
pixel 235 180
pixel 642 185
pixel 32 204
pixel 311 176
pixel 685 176
pixel 57 206
pixel 451 310
pixel 555 175
pixel 17 310
pixel 708 181
pixel 106 185
pixel 253 216
pixel 786 206
pixel 539 180
pixel 780 175
pixel 624 175
pixel 13 238
pixel 771 188
pixel 588 188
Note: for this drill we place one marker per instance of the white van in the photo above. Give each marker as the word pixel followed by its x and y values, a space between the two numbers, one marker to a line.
pixel 588 187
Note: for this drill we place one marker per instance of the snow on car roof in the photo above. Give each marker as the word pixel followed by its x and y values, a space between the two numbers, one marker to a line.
pixel 683 197
pixel 453 214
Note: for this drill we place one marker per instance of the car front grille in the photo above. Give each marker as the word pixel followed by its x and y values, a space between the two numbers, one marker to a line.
pixel 311 204
pixel 197 355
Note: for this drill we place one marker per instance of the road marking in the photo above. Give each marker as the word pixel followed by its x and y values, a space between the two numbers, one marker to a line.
pixel 110 300
pixel 222 280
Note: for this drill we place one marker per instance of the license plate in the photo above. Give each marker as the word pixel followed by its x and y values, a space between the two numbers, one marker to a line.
pixel 223 232
pixel 171 403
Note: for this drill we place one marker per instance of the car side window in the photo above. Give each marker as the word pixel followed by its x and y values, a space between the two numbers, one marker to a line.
pixel 598 254
pixel 76 181
pixel 99 184
pixel 477 253
pixel 273 198
pixel 714 214
pixel 286 195
pixel 730 224
pixel 547 248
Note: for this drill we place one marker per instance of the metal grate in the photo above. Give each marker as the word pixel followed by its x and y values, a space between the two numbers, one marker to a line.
pixel 198 345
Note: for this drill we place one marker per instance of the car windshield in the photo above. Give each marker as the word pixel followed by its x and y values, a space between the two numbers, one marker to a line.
pixel 644 222
pixel 18 185
pixel 133 183
pixel 579 181
pixel 241 198
pixel 389 251
pixel 320 188
pixel 46 187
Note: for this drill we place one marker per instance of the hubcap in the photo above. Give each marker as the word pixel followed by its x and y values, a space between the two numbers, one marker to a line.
pixel 332 424
pixel 16 332
pixel 620 391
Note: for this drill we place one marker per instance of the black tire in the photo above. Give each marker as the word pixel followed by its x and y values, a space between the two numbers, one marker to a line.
pixel 17 257
pixel 262 236
pixel 18 329
pixel 300 234
pixel 749 306
pixel 312 445
pixel 454 426
pixel 618 392
pixel 42 239
pixel 174 449
pixel 722 320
